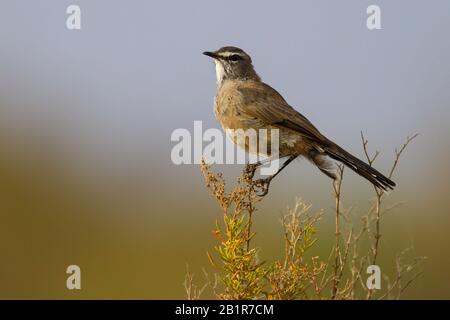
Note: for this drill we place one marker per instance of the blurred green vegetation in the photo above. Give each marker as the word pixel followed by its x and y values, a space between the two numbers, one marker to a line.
pixel 131 243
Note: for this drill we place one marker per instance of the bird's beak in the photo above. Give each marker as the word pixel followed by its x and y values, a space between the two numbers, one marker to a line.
pixel 211 54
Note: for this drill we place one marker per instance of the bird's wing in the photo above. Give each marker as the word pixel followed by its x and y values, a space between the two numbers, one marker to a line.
pixel 262 102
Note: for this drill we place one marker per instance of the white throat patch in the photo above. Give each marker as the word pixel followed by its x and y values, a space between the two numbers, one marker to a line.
pixel 220 72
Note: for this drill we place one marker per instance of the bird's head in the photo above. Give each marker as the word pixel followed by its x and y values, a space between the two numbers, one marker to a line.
pixel 232 64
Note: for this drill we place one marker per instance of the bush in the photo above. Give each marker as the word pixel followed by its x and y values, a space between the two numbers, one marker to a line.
pixel 241 275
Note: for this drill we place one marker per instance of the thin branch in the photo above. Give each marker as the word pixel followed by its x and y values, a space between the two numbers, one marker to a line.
pixel 337 193
pixel 399 153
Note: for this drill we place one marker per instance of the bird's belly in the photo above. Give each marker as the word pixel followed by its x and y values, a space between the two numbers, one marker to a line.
pixel 260 139
pixel 239 127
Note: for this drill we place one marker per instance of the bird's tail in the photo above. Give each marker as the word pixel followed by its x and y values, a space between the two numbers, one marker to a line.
pixel 360 167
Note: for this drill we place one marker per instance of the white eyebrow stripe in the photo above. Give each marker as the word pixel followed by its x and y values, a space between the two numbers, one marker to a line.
pixel 228 54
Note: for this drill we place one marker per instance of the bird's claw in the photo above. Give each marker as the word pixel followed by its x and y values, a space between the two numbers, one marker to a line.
pixel 264 185
pixel 250 170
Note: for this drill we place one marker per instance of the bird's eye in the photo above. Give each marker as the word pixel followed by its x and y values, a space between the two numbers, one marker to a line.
pixel 235 57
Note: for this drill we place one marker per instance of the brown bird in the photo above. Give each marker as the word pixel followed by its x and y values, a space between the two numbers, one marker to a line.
pixel 243 101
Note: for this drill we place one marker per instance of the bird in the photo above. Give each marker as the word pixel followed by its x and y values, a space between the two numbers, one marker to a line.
pixel 244 101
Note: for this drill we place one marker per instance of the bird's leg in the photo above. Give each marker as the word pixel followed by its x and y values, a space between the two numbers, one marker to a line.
pixel 265 183
pixel 250 169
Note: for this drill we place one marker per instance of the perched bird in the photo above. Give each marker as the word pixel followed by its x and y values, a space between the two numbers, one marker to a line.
pixel 243 101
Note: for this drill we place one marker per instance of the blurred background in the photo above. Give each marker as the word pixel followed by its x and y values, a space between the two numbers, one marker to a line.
pixel 86 118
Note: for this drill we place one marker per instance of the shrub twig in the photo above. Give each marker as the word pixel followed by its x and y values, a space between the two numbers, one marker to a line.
pixel 241 274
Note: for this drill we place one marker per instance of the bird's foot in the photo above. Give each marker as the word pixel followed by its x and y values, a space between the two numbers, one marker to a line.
pixel 250 170
pixel 263 184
